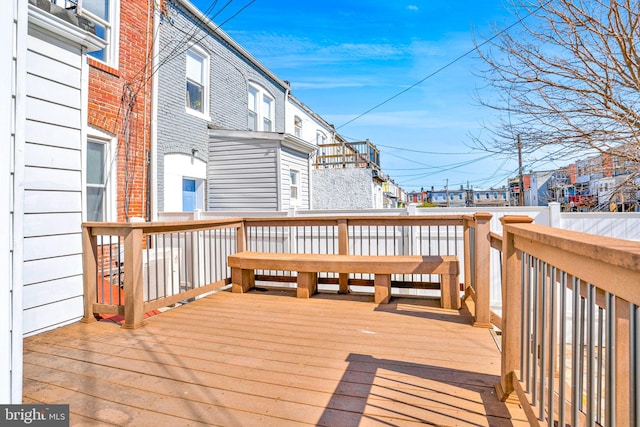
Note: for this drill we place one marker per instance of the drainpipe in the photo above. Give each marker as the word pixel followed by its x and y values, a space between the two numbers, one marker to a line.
pixel 153 145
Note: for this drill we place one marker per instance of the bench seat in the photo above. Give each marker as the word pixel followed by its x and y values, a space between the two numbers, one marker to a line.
pixel 244 264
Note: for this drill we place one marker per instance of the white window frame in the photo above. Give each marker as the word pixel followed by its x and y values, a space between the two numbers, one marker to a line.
pixel 256 113
pixel 202 54
pixel 110 210
pixel 321 138
pixel 297 126
pixel 112 31
pixel 294 187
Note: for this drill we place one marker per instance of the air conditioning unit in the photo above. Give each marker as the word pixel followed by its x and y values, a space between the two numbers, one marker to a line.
pixel 161 273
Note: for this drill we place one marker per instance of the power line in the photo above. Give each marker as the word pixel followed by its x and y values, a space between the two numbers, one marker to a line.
pixel 447 65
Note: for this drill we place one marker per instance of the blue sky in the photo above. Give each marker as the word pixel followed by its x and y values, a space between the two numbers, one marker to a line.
pixel 345 57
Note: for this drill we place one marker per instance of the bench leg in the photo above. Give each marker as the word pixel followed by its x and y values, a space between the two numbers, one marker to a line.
pixel 242 280
pixel 382 284
pixel 450 292
pixel 343 281
pixel 307 284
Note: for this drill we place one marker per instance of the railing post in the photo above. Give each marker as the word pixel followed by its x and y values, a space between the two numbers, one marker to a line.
pixel 241 237
pixel 343 249
pixel 133 280
pixel 511 307
pixel 482 270
pixel 90 272
pixel 466 232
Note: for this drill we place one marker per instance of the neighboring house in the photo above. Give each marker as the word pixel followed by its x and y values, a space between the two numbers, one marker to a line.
pixel 43 121
pixel 222 140
pixel 491 197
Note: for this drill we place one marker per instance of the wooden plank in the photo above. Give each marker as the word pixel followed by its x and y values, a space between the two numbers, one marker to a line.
pixel 207 362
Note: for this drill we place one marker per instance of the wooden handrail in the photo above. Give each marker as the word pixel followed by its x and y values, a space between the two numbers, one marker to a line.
pixel 604 271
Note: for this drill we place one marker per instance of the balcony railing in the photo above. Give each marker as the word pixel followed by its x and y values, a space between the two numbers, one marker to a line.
pixel 570 316
pixel 570 325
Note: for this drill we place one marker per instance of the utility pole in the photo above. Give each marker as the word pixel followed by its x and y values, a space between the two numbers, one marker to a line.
pixel 521 184
pixel 446 190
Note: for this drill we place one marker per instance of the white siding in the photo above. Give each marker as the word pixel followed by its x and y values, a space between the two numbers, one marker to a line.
pixel 242 175
pixel 52 266
pixel 300 162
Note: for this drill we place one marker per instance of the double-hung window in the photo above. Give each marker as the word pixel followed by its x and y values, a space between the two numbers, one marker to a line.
pixel 260 106
pixel 96 180
pixel 294 186
pixel 297 125
pixel 104 13
pixel 197 81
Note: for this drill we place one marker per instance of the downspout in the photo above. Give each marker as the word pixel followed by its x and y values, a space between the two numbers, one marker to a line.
pixel 153 145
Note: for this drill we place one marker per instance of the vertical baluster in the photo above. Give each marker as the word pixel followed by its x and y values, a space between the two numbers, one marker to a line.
pixel 600 365
pixel 553 311
pixel 542 355
pixel 634 346
pixel 534 332
pixel 562 416
pixel 591 303
pixel 610 369
pixel 576 352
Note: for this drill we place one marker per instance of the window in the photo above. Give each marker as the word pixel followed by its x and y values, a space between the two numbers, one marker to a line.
pixel 495 195
pixel 104 13
pixel 261 107
pixel 197 81
pixel 321 138
pixel 297 124
pixel 294 186
pixel 96 182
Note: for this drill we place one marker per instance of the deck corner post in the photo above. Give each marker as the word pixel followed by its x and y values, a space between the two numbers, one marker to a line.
pixel 343 249
pixel 90 272
pixel 133 279
pixel 482 269
pixel 511 306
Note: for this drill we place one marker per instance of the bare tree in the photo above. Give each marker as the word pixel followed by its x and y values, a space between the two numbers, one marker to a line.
pixel 567 80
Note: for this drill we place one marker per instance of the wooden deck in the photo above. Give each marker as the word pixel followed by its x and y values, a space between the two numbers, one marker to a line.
pixel 270 359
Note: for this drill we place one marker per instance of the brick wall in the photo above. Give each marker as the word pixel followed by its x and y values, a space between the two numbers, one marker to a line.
pixel 229 73
pixel 120 104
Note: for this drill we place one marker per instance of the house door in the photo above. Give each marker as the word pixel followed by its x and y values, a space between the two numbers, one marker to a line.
pixel 188 194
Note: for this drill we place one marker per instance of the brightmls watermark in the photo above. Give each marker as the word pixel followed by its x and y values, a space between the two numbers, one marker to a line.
pixel 34 415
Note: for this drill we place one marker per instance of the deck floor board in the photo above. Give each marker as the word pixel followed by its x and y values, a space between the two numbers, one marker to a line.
pixel 267 358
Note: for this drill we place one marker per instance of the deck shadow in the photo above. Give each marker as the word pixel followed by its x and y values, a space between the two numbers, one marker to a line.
pixel 386 392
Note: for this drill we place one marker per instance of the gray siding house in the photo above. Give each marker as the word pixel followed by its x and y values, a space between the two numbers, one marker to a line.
pixel 221 142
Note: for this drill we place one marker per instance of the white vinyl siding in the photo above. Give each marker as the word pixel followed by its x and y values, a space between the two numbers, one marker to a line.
pixel 53 184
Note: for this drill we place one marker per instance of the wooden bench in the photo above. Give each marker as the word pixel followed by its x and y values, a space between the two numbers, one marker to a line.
pixel 244 264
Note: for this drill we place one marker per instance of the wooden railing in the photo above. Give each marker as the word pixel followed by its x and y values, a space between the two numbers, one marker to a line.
pixel 570 325
pixel 131 269
pixel 134 268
